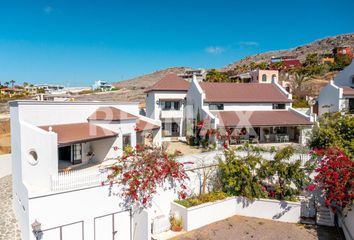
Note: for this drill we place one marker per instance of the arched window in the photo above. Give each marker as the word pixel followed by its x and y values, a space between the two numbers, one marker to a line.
pixel 274 77
pixel 264 78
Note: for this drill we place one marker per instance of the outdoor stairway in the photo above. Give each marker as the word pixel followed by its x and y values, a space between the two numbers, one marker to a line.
pixel 323 217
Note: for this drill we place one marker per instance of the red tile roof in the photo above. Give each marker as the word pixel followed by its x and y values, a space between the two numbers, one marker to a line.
pixel 79 132
pixel 243 93
pixel 260 118
pixel 170 82
pixel 348 91
pixel 142 125
pixel 111 114
pixel 290 63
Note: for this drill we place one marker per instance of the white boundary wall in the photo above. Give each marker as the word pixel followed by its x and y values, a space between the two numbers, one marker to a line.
pixel 201 215
pixel 5 165
pixel 347 224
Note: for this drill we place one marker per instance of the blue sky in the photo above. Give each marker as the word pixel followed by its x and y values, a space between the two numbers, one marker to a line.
pixel 77 42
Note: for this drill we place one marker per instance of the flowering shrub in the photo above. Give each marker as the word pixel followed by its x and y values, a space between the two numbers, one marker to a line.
pixel 142 171
pixel 336 178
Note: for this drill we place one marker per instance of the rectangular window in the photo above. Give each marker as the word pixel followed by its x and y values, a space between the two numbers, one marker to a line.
pixel 126 140
pixel 176 105
pixel 216 106
pixel 278 106
pixel 170 105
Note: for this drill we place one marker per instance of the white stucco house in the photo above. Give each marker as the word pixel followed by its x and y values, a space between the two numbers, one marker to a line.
pixel 59 152
pixel 165 101
pixel 263 112
pixel 338 95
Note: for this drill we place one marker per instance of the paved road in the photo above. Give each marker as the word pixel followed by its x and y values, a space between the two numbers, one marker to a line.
pixel 9 229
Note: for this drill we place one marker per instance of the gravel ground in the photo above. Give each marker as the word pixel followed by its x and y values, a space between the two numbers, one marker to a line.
pixel 9 229
pixel 240 228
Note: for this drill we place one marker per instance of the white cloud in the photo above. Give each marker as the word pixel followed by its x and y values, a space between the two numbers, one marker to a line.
pixel 215 50
pixel 248 44
pixel 48 9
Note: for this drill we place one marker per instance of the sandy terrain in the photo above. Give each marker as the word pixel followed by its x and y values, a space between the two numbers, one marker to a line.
pixel 238 227
pixel 182 147
pixel 4 136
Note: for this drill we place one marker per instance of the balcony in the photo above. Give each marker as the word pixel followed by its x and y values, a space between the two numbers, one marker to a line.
pixel 171 114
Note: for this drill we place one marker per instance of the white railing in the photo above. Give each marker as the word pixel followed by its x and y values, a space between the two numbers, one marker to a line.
pixel 77 179
pixel 209 157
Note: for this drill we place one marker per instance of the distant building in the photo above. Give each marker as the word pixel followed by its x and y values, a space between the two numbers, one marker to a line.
pixel 282 58
pixel 200 74
pixel 288 62
pixel 257 76
pixel 102 85
pixel 50 88
pixel 327 58
pixel 344 50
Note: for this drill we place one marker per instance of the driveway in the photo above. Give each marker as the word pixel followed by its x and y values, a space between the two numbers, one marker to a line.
pixel 240 228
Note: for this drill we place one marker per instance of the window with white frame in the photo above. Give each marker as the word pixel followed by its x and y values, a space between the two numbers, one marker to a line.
pixel 216 106
pixel 170 105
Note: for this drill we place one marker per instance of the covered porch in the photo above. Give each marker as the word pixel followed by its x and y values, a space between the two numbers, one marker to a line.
pixel 274 126
pixel 81 145
pixel 267 134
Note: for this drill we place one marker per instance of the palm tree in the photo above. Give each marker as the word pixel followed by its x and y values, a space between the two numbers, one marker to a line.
pixel 12 83
pixel 6 84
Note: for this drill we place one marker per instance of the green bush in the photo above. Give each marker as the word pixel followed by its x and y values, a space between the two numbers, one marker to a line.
pixel 334 130
pixel 300 103
pixel 204 198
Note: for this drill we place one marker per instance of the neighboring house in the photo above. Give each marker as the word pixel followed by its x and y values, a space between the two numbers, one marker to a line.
pixel 61 152
pixel 260 112
pixel 263 111
pixel 50 88
pixel 338 95
pixel 165 101
pixel 327 58
pixel 257 76
pixel 102 85
pixel 344 50
pixel 188 74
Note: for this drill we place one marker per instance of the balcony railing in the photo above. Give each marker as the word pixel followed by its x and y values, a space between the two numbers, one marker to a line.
pixel 171 114
pixel 77 179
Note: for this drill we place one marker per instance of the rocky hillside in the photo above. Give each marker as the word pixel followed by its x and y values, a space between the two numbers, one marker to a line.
pixel 148 80
pixel 320 46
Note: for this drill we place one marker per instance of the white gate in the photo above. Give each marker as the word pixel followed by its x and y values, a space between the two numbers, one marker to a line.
pixel 114 226
pixel 72 231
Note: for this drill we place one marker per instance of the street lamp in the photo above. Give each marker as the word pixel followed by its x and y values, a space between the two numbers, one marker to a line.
pixel 37 232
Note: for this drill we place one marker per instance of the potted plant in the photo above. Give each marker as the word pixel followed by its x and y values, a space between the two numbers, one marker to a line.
pixel 176 223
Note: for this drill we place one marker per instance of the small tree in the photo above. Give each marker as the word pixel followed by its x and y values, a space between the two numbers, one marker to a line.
pixel 215 76
pixel 239 175
pixel 334 130
pixel 142 170
pixel 282 174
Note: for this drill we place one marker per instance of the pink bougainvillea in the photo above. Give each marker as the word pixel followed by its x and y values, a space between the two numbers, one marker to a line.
pixel 141 172
pixel 335 176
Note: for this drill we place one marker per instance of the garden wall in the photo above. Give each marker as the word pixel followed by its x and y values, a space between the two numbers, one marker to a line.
pixel 347 223
pixel 201 215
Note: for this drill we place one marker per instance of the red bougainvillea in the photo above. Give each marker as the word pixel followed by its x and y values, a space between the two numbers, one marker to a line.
pixel 141 172
pixel 335 176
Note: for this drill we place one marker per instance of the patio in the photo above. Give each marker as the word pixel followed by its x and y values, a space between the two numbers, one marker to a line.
pixel 238 227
